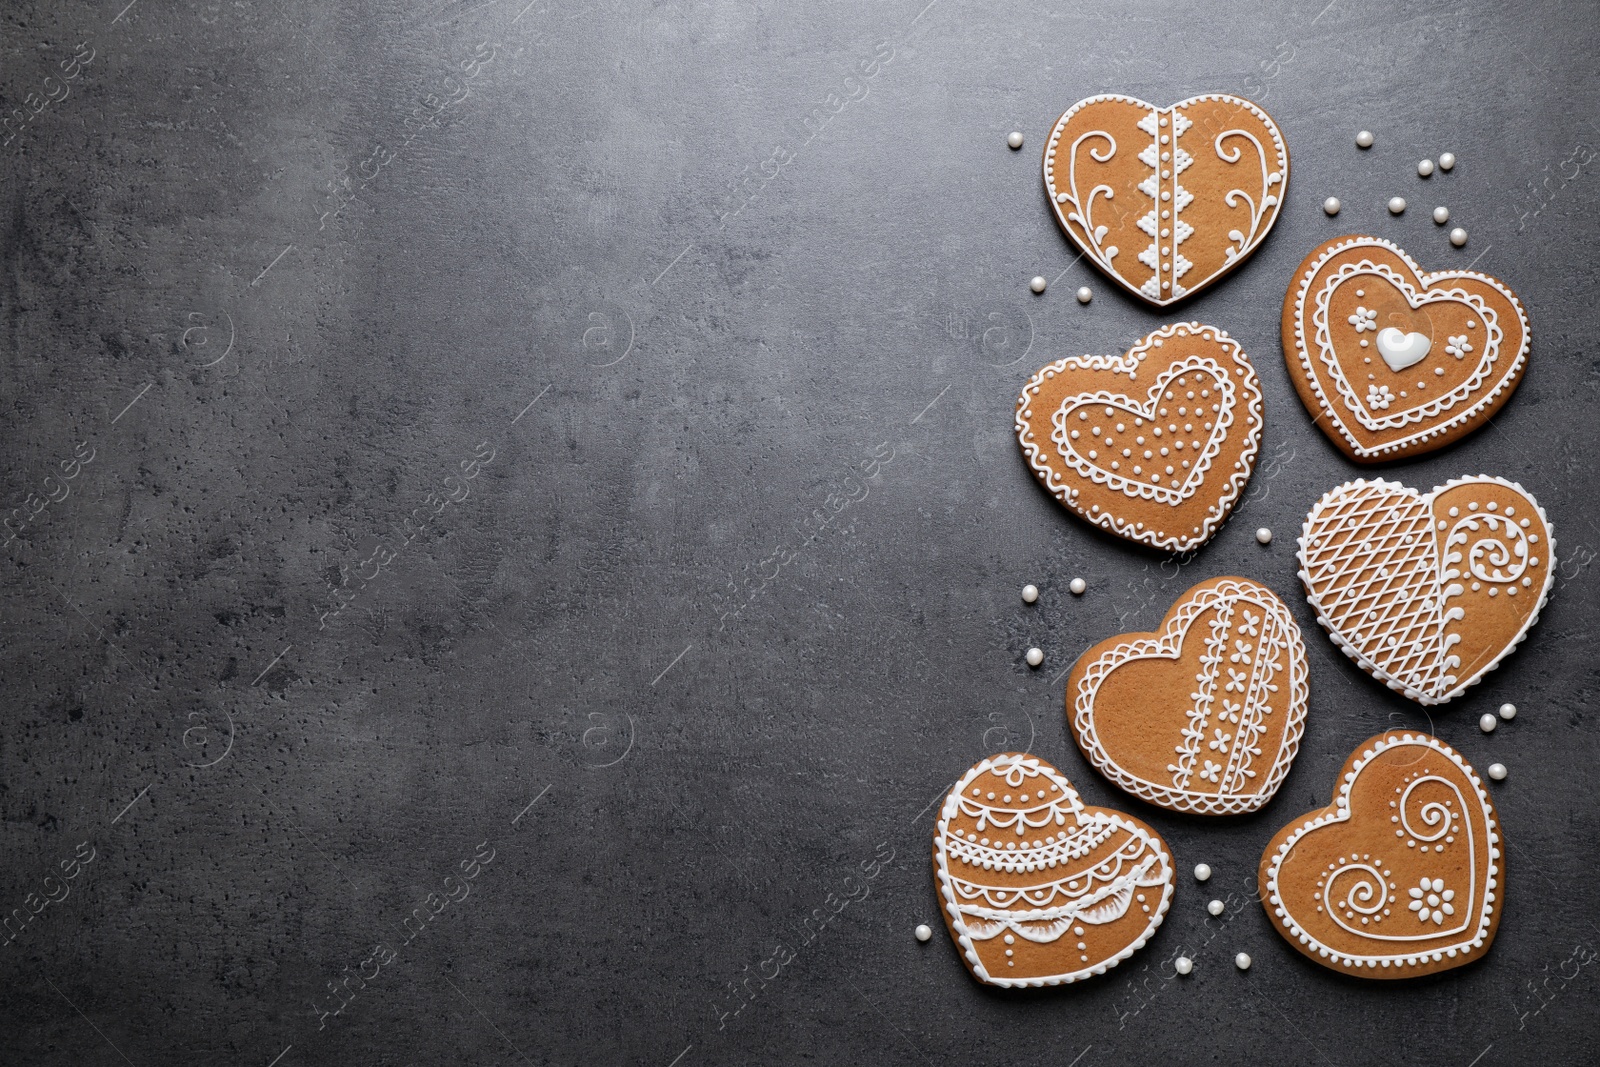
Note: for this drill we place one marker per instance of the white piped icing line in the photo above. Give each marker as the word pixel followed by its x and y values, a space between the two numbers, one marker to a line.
pixel 1168 491
pixel 1438 910
pixel 1254 667
pixel 1166 160
pixel 1493 363
pixel 1395 623
pixel 1042 837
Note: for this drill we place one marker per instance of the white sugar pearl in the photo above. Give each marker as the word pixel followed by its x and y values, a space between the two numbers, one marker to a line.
pixel 1331 205
pixel 1183 965
pixel 1242 961
pixel 1201 872
pixel 1441 215
pixel 923 932
pixel 1364 139
pixel 1508 712
pixel 1425 168
pixel 1085 294
pixel 1458 237
pixel 1497 771
pixel 1264 535
pixel 1397 204
pixel 1038 284
pixel 1035 657
pixel 1014 139
pixel 1447 161
pixel 1488 723
pixel 1078 586
pixel 1215 907
pixel 1030 593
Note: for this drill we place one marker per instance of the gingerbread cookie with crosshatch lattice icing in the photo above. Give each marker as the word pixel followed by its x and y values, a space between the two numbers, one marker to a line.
pixel 1166 200
pixel 1427 592
pixel 1037 887
pixel 1155 445
pixel 1402 875
pixel 1393 361
pixel 1205 714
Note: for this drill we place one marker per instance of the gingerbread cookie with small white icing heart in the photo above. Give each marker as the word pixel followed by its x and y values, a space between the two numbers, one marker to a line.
pixel 1038 888
pixel 1166 200
pixel 1155 445
pixel 1205 714
pixel 1427 592
pixel 1393 361
pixel 1402 875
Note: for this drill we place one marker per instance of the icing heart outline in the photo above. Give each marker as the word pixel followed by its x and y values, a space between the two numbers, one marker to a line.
pixel 1127 650
pixel 1284 845
pixel 1419 290
pixel 1442 687
pixel 1108 905
pixel 1075 212
pixel 1059 480
pixel 1400 350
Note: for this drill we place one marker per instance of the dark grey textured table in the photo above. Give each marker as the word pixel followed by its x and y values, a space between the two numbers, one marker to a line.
pixel 544 523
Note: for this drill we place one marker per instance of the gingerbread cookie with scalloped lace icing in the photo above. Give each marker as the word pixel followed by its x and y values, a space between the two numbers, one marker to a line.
pixel 1036 887
pixel 1205 714
pixel 1166 200
pixel 1154 445
pixel 1427 592
pixel 1402 875
pixel 1393 361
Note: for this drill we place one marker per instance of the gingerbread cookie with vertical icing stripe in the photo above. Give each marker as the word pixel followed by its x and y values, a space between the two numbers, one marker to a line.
pixel 1166 200
pixel 1155 445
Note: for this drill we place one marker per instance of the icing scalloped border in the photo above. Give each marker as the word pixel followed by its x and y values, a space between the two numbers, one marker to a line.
pixel 1341 802
pixel 1372 668
pixel 941 870
pixel 1058 486
pixel 1168 640
pixel 1303 354
pixel 1278 145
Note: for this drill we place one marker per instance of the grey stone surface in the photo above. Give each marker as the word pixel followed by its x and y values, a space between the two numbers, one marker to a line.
pixel 282 269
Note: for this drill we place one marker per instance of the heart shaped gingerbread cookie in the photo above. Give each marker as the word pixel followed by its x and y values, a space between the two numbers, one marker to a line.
pixel 1166 200
pixel 1402 875
pixel 1392 361
pixel 1154 445
pixel 1427 592
pixel 1038 888
pixel 1205 714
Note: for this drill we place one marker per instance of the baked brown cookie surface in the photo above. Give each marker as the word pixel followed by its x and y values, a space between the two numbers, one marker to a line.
pixel 1166 200
pixel 1402 875
pixel 1392 361
pixel 1155 445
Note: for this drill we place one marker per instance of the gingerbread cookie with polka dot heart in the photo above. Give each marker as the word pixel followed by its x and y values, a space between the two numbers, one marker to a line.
pixel 1393 361
pixel 1038 888
pixel 1427 592
pixel 1166 200
pixel 1402 875
pixel 1155 445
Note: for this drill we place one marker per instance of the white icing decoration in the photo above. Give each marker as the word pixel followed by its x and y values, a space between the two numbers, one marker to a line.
pixel 1390 594
pixel 1063 896
pixel 1400 349
pixel 1367 892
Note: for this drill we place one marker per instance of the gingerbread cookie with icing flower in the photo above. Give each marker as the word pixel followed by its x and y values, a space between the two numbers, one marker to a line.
pixel 1155 445
pixel 1037 887
pixel 1166 200
pixel 1205 714
pixel 1393 361
pixel 1402 875
pixel 1427 592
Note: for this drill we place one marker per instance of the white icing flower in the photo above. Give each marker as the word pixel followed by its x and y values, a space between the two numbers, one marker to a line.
pixel 1211 771
pixel 1431 900
pixel 1364 320
pixel 1230 710
pixel 1248 627
pixel 1379 396
pixel 1241 653
pixel 1458 346
pixel 1236 680
pixel 1219 743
